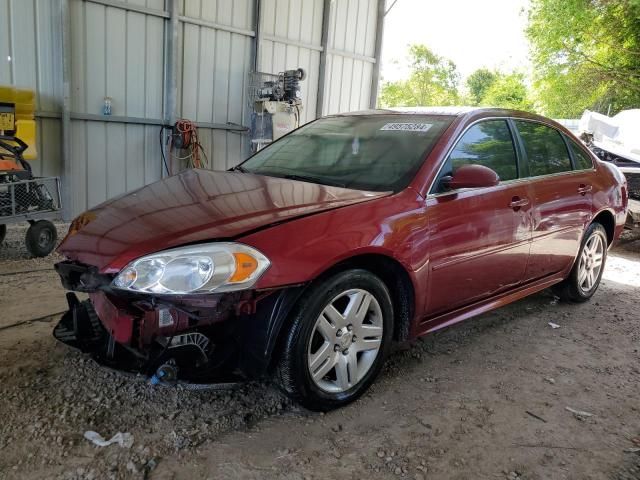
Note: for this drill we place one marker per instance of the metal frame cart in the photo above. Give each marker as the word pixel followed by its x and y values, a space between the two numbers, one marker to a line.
pixel 24 198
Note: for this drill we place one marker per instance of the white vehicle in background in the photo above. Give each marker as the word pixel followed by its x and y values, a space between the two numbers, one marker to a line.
pixel 617 139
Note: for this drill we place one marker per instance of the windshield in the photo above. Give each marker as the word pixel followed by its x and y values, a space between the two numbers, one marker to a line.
pixel 374 152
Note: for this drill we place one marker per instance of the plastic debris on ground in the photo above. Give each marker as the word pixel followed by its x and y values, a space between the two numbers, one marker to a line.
pixel 125 440
pixel 579 413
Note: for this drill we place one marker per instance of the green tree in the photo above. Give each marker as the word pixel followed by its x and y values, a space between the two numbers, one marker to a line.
pixel 586 54
pixel 507 91
pixel 433 81
pixel 479 82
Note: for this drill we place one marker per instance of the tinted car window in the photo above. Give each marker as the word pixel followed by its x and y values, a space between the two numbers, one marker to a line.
pixel 365 152
pixel 582 160
pixel 545 149
pixel 487 143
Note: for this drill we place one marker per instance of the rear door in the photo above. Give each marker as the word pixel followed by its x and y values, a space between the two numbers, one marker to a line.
pixel 561 196
pixel 478 238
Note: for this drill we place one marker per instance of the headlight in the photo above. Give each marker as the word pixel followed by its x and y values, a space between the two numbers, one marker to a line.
pixel 219 267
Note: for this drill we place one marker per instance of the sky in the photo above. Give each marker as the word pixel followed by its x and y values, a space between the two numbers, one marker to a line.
pixel 472 33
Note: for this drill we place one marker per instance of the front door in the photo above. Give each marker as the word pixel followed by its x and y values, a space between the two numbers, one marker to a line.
pixel 479 239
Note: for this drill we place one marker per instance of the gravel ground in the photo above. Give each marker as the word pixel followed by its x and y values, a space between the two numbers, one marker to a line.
pixel 483 399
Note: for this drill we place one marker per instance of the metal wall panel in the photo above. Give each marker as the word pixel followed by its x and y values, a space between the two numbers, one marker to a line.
pixel 117 49
pixel 351 50
pixel 215 64
pixel 119 54
pixel 287 27
pixel 31 57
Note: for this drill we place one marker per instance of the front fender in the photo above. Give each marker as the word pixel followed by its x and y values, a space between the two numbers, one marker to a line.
pixel 302 249
pixel 260 330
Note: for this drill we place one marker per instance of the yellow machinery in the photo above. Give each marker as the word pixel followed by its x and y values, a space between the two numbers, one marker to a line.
pixel 17 129
pixel 23 197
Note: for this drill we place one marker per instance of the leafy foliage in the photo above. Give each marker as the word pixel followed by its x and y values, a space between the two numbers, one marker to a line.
pixel 507 91
pixel 586 54
pixel 433 81
pixel 479 82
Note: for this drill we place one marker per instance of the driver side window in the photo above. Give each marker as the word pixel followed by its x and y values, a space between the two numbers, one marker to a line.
pixel 487 143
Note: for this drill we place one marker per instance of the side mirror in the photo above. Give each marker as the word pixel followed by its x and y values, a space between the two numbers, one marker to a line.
pixel 471 176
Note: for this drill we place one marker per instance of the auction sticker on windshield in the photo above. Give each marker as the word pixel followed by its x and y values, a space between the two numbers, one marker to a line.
pixel 407 127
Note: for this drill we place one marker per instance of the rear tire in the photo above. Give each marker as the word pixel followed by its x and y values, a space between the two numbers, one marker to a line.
pixel 584 279
pixel 41 238
pixel 3 233
pixel 338 338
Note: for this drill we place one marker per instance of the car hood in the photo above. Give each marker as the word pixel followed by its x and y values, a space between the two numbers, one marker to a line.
pixel 194 206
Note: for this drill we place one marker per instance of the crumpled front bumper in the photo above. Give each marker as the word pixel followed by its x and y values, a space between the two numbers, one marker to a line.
pixel 118 335
pixel 80 326
pixel 206 338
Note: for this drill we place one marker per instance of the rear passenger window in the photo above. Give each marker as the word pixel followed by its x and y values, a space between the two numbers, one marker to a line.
pixel 487 143
pixel 582 160
pixel 545 148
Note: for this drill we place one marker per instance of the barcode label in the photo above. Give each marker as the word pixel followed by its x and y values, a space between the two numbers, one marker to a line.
pixel 407 127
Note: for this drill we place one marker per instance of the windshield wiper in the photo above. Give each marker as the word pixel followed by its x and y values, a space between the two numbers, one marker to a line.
pixel 239 168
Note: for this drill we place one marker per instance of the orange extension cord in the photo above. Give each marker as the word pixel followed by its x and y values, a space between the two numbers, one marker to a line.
pixel 186 130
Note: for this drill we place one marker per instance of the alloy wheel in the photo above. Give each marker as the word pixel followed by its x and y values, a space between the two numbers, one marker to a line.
pixel 590 263
pixel 345 340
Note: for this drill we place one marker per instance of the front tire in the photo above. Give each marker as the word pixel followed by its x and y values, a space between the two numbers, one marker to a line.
pixel 586 274
pixel 337 341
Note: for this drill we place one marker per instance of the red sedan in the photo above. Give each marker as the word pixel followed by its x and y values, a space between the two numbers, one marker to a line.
pixel 306 261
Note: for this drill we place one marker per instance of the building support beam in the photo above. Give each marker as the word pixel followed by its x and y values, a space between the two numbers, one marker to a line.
pixel 170 111
pixel 375 74
pixel 257 43
pixel 324 43
pixel 67 169
pixel 293 43
pixel 171 72
pixel 216 26
pixel 131 7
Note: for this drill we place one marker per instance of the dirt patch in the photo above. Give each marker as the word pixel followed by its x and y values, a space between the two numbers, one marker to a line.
pixel 483 399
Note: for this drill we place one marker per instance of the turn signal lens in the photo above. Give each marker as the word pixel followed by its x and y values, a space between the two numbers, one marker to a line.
pixel 80 222
pixel 245 266
pixel 126 278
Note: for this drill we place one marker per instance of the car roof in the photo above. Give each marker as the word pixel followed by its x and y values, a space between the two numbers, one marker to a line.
pixel 472 113
pixel 449 111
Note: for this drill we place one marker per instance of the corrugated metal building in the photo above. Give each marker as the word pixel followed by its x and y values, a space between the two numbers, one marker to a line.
pixel 160 60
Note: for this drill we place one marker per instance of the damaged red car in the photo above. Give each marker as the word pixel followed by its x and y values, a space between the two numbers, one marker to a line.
pixel 304 263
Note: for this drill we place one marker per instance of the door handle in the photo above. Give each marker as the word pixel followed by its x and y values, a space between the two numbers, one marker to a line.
pixel 517 202
pixel 584 189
